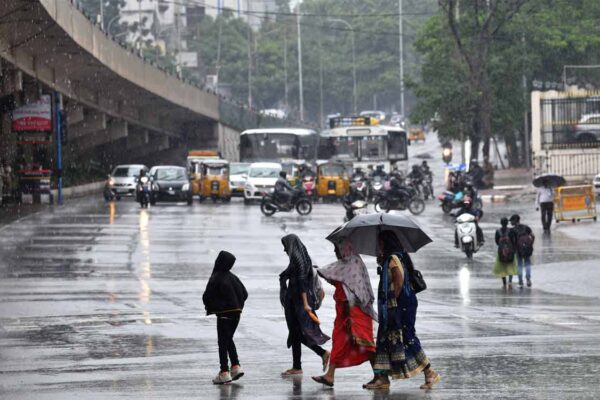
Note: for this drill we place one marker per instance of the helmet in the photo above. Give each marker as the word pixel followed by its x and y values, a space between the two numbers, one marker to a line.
pixel 379 167
pixel 283 174
pixel 415 167
pixel 424 163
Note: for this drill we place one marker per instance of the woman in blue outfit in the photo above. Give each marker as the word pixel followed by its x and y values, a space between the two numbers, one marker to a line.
pixel 399 353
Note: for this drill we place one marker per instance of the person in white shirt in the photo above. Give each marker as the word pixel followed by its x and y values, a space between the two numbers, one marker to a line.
pixel 545 202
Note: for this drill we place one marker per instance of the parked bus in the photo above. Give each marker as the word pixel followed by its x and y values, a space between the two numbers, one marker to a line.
pixel 281 145
pixel 364 143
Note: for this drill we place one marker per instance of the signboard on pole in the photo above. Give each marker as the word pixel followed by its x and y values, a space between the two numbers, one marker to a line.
pixel 35 116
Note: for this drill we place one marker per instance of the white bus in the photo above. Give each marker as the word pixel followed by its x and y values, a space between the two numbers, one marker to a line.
pixel 280 145
pixel 356 140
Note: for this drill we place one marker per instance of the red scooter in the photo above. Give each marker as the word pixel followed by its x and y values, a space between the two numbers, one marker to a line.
pixel 308 183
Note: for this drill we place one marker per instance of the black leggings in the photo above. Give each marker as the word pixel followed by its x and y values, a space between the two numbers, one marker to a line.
pixel 226 326
pixel 297 339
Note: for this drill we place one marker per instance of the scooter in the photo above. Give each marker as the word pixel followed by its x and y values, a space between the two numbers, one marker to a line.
pixel 308 184
pixel 377 185
pixel 108 193
pixel 143 191
pixel 466 230
pixel 361 186
pixel 356 208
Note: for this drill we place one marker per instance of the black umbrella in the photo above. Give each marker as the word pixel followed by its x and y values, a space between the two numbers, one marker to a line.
pixel 551 180
pixel 363 232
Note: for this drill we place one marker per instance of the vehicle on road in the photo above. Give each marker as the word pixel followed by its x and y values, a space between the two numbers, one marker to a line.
pixel 170 183
pixel 261 179
pixel 107 192
pixel 279 145
pixel 379 115
pixel 588 128
pixel 406 198
pixel 237 180
pixel 214 180
pixel 450 200
pixel 363 143
pixel 299 201
pixel 416 134
pixel 194 164
pixel 357 207
pixel 466 229
pixel 123 179
pixel 333 181
pixel 597 185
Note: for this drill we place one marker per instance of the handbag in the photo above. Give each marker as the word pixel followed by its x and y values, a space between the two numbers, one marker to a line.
pixel 417 282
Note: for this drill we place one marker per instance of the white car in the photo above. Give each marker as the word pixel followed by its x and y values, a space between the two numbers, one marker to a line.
pixel 238 172
pixel 124 178
pixel 260 179
pixel 588 128
pixel 597 184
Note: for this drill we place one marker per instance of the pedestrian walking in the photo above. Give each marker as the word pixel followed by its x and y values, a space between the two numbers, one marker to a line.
pixel 399 352
pixel 298 299
pixel 353 342
pixel 506 262
pixel 545 202
pixel 225 296
pixel 525 239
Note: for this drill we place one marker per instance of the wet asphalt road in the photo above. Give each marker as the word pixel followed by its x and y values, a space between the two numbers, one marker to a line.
pixel 104 301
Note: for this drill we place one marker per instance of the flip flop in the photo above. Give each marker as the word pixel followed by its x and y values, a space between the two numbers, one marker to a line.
pixel 292 372
pixel 322 380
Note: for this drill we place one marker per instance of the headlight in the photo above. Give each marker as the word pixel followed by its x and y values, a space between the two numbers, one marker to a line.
pixel 111 182
pixel 249 186
pixel 185 187
pixel 155 187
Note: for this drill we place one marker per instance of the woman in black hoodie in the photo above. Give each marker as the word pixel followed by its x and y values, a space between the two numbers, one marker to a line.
pixel 225 296
pixel 298 299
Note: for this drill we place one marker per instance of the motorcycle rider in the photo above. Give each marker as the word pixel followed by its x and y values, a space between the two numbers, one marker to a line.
pixel 379 172
pixel 425 168
pixel 359 174
pixel 283 190
pixel 467 208
pixel 416 174
pixel 304 171
pixel 352 196
pixel 476 174
pixel 139 183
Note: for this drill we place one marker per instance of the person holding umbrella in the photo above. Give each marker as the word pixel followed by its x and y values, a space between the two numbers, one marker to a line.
pixel 390 238
pixel 353 342
pixel 545 196
pixel 298 300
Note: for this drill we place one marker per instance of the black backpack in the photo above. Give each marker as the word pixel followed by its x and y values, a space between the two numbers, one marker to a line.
pixel 524 244
pixel 506 250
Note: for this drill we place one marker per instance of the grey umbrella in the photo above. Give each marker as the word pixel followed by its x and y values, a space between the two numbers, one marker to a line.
pixel 363 232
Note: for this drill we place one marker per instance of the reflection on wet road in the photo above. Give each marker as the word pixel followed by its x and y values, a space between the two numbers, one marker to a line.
pixel 104 300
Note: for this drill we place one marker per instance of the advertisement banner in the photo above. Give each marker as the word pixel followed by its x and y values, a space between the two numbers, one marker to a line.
pixel 36 116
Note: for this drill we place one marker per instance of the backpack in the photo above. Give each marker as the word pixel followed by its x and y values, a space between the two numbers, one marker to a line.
pixel 317 288
pixel 506 250
pixel 525 244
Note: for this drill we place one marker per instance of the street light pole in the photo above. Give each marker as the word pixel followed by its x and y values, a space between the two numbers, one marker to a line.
pixel 249 60
pixel 300 85
pixel 354 94
pixel 102 14
pixel 401 46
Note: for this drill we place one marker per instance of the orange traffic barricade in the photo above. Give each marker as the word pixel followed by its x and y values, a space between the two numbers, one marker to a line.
pixel 574 203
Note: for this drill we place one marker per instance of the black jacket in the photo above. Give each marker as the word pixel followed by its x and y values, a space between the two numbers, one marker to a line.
pixel 224 292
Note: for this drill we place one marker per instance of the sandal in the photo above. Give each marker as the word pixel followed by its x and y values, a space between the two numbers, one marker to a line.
pixel 292 372
pixel 326 358
pixel 322 380
pixel 379 383
pixel 430 380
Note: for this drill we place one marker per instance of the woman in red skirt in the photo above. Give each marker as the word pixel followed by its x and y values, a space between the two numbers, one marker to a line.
pixel 353 342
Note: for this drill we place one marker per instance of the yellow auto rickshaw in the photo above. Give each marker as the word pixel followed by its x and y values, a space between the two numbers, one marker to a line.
pixel 214 180
pixel 194 162
pixel 333 180
pixel 416 133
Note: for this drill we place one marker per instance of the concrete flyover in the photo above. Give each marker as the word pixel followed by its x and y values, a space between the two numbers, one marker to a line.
pixel 119 106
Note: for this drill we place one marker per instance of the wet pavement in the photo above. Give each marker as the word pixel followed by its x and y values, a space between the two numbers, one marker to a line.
pixel 104 300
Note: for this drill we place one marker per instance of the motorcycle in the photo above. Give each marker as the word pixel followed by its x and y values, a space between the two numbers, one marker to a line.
pixel 466 230
pixel 108 193
pixel 308 184
pixel 143 191
pixel 356 208
pixel 377 185
pixel 406 198
pixel 428 186
pixel 300 201
pixel 450 200
pixel 361 186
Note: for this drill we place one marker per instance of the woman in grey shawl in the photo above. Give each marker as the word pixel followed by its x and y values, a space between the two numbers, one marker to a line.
pixel 353 341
